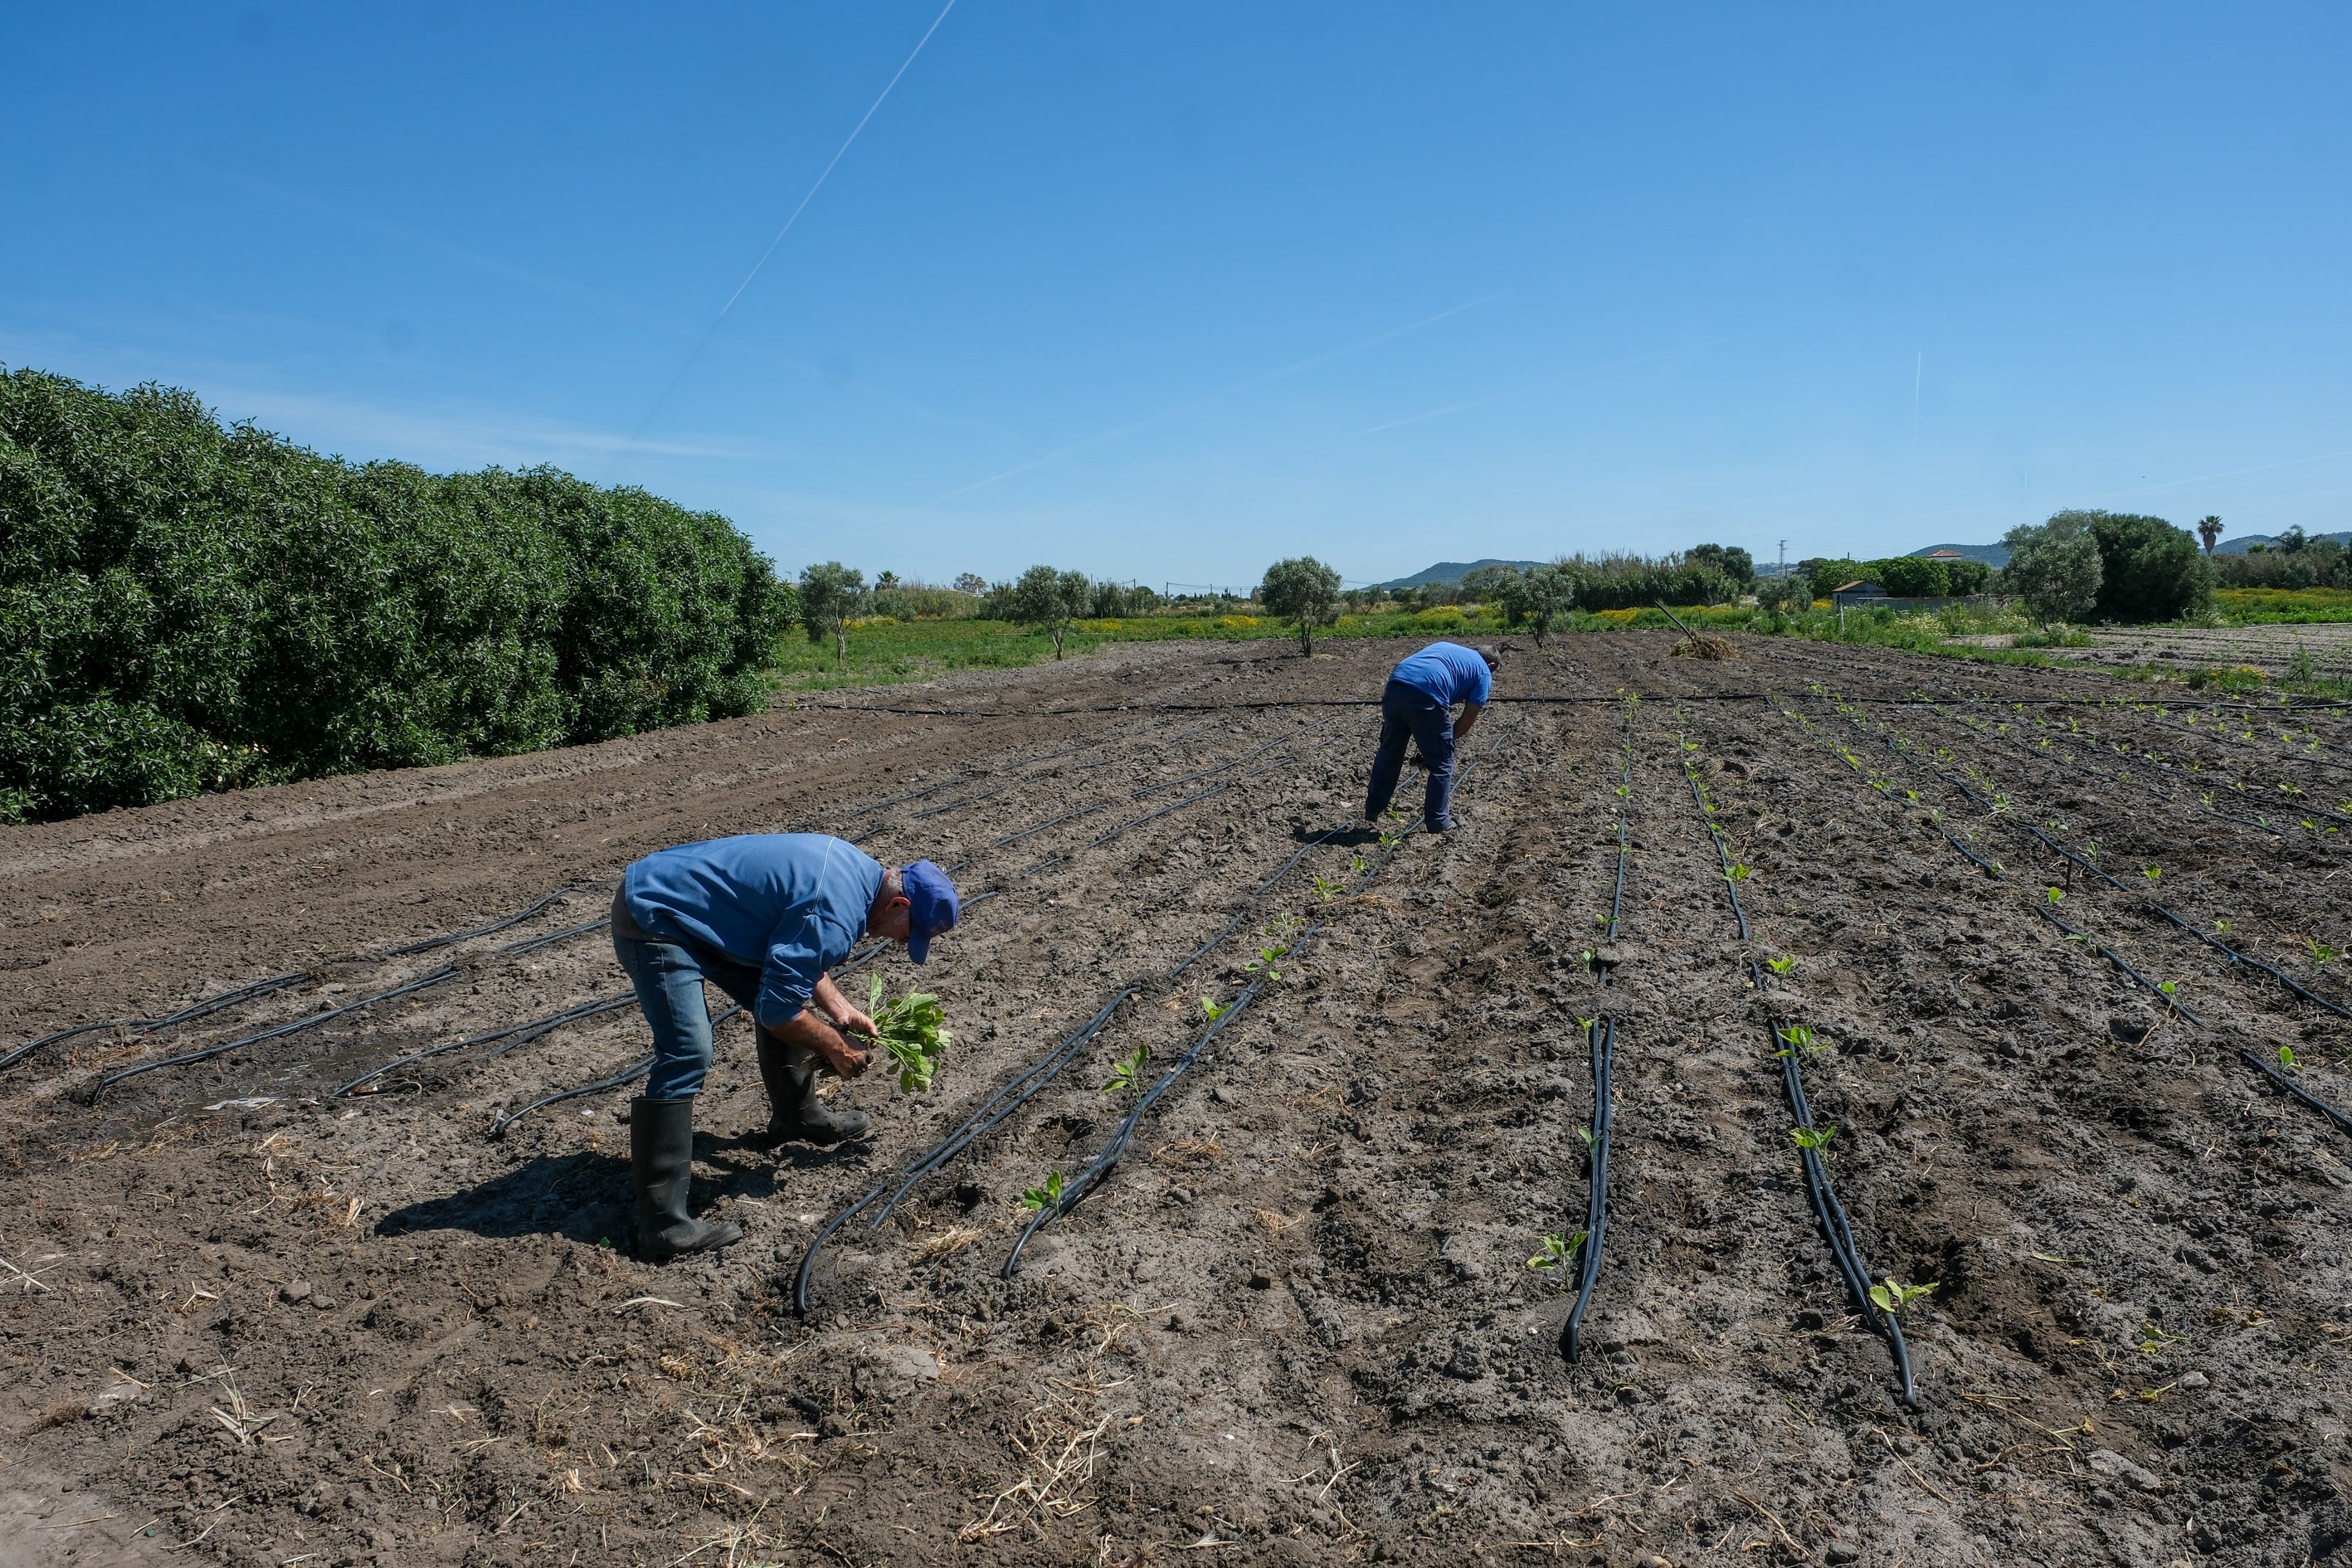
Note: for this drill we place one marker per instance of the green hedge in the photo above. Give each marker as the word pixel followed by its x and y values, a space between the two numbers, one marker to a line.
pixel 186 607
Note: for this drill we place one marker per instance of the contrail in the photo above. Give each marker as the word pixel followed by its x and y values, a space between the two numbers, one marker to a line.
pixel 827 174
pixel 1181 409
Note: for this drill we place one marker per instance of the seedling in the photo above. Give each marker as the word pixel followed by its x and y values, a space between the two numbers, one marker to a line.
pixel 1894 1296
pixel 1814 1138
pixel 1047 1197
pixel 1389 840
pixel 1559 1251
pixel 2221 925
pixel 2153 1340
pixel 1129 1074
pixel 1782 965
pixel 2053 897
pixel 1736 873
pixel 912 1031
pixel 2321 953
pixel 1796 1037
pixel 1263 964
pixel 2000 802
pixel 1356 866
pixel 1590 1142
pixel 2286 1060
pixel 2153 873
pixel 1328 890
pixel 1214 1012
pixel 1590 957
pixel 2168 987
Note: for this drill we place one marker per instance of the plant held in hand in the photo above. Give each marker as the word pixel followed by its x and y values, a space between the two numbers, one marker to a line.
pixel 912 1029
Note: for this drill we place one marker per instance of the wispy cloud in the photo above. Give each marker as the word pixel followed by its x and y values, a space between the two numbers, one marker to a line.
pixel 1118 432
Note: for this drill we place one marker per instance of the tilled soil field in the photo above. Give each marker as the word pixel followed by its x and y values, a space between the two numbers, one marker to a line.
pixel 360 1291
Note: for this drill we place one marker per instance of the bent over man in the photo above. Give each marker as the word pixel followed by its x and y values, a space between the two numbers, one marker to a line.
pixel 766 918
pixel 1418 705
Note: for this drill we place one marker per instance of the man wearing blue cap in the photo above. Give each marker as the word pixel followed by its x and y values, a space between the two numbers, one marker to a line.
pixel 766 918
pixel 1418 705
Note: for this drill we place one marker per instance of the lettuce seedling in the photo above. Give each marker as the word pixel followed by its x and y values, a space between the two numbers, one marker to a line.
pixel 2286 1060
pixel 1782 965
pixel 1559 1251
pixel 912 1031
pixel 1814 1138
pixel 1129 1075
pixel 1893 1295
pixel 2153 873
pixel 1212 1010
pixel 2321 953
pixel 2053 897
pixel 1736 873
pixel 1043 1198
pixel 1797 1037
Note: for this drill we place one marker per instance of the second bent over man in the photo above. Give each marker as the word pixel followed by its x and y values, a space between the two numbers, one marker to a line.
pixel 1418 705
pixel 766 918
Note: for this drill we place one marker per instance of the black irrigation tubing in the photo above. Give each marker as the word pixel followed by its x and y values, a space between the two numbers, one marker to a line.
pixel 1116 1144
pixel 2236 957
pixel 515 1035
pixel 960 802
pixel 2286 1082
pixel 1136 822
pixel 2112 956
pixel 626 1075
pixel 1008 1098
pixel 2045 756
pixel 308 1021
pixel 1835 1227
pixel 254 990
pixel 1601 1039
pixel 2046 912
pixel 547 938
pixel 516 918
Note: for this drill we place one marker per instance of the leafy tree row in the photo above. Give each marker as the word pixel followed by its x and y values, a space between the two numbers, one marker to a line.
pixel 1905 576
pixel 186 606
pixel 2107 566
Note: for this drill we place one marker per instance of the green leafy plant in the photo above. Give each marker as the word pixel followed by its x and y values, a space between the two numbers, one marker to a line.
pixel 2053 897
pixel 1044 1197
pixel 1782 965
pixel 1212 1010
pixel 1817 1139
pixel 1558 1252
pixel 2153 873
pixel 912 1029
pixel 2321 953
pixel 1894 1296
pixel 1796 1037
pixel 1263 964
pixel 1327 889
pixel 1736 873
pixel 2286 1060
pixel 1128 1072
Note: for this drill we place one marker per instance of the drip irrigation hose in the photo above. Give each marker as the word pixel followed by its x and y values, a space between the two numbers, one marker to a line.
pixel 1601 1038
pixel 548 938
pixel 2047 913
pixel 1013 1094
pixel 514 1033
pixel 2236 957
pixel 1835 1228
pixel 1116 1144
pixel 2286 1082
pixel 2019 743
pixel 1135 822
pixel 521 915
pixel 254 990
pixel 309 1021
pixel 626 1075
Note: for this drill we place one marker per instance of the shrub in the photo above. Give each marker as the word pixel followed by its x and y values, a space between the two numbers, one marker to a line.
pixel 1304 591
pixel 2055 568
pixel 2149 570
pixel 185 608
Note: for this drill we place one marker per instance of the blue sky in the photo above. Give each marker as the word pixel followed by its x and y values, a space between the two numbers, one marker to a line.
pixel 1167 291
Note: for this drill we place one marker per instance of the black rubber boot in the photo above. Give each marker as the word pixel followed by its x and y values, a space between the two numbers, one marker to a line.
pixel 661 1168
pixel 794 1112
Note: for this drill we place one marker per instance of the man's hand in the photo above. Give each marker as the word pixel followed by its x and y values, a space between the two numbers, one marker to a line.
pixel 805 1029
pixel 854 1022
pixel 842 1055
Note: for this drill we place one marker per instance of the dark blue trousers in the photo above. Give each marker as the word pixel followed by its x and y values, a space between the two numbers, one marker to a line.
pixel 1409 713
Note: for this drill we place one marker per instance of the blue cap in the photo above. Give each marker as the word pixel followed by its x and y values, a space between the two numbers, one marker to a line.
pixel 931 907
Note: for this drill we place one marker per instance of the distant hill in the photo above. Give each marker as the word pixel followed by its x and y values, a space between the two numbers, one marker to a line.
pixel 1993 555
pixel 1449 572
pixel 2239 545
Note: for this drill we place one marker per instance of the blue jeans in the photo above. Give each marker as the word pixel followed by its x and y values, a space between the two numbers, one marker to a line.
pixel 1409 713
pixel 669 980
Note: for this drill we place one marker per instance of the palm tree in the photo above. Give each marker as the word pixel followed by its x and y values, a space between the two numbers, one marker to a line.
pixel 2209 529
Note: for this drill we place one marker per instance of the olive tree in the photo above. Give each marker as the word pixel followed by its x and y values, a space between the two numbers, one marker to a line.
pixel 2055 568
pixel 1541 596
pixel 831 596
pixel 1050 601
pixel 1303 591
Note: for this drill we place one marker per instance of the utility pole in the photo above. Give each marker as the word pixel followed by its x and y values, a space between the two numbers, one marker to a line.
pixel 1784 558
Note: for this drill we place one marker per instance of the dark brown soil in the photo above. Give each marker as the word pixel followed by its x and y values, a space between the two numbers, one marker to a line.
pixel 1298 1323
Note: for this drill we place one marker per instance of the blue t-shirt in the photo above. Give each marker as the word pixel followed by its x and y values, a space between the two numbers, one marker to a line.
pixel 1447 672
pixel 790 905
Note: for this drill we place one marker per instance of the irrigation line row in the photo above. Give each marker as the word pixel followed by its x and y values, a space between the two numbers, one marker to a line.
pixel 516 918
pixel 1116 1144
pixel 2236 957
pixel 516 1034
pixel 1788 1045
pixel 1601 1046
pixel 2286 1082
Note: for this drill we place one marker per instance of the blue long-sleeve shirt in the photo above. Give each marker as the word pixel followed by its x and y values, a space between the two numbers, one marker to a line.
pixel 791 905
pixel 1448 672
